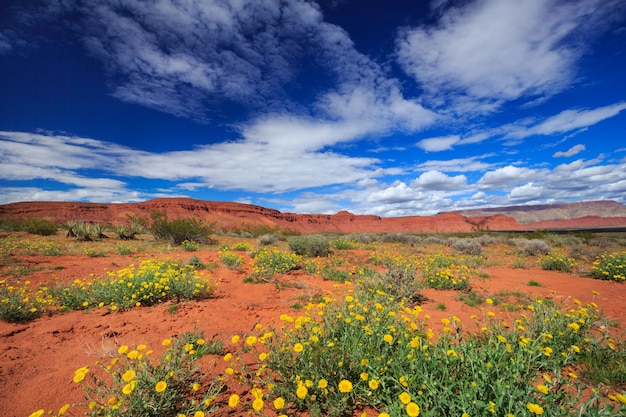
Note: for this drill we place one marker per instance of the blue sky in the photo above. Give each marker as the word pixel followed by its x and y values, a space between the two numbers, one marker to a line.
pixel 391 108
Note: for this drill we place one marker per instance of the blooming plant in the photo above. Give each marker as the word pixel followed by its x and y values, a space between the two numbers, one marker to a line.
pixel 230 259
pixel 153 281
pixel 557 262
pixel 136 384
pixel 611 267
pixel 444 272
pixel 267 263
pixel 368 350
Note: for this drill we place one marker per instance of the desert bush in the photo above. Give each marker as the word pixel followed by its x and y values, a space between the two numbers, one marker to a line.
pixel 466 246
pixel 241 247
pixel 20 304
pixel 267 239
pixel 532 247
pixel 399 237
pixel 343 244
pixel 124 249
pixel 583 253
pixel 179 230
pixel 189 245
pixel 84 231
pixel 444 272
pixel 486 240
pixel 125 232
pixel 557 262
pixel 195 262
pixel 334 274
pixel 266 264
pixel 435 240
pixel 136 384
pixel 369 351
pixel 230 259
pixel 361 238
pixel 40 227
pixel 309 245
pixel 610 267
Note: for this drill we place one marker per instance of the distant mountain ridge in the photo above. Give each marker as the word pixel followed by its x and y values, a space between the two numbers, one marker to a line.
pixel 549 212
pixel 237 216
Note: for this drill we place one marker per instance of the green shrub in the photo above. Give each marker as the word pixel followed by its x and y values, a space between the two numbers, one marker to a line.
pixel 309 245
pixel 266 264
pixel 334 274
pixel 180 230
pixel 136 384
pixel 367 351
pixel 267 239
pixel 444 272
pixel 467 246
pixel 557 262
pixel 344 244
pixel 231 260
pixel 241 247
pixel 533 247
pixel 40 227
pixel 20 305
pixel 124 249
pixel 610 267
pixel 189 245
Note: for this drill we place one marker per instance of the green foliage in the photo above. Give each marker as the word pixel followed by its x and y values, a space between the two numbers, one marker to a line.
pixel 134 384
pixel 267 239
pixel 124 249
pixel 266 264
pixel 444 272
pixel 610 267
pixel 334 274
pixel 40 227
pixel 471 298
pixel 154 281
pixel 195 262
pixel 369 351
pixel 557 262
pixel 344 244
pixel 240 247
pixel 309 245
pixel 189 245
pixel 20 304
pixel 231 260
pixel 180 230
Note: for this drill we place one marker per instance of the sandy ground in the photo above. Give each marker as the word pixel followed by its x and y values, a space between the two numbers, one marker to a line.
pixel 38 359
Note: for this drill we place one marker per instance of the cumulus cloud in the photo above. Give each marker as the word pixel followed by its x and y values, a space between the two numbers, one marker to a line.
pixel 438 144
pixel 574 150
pixel 438 181
pixel 491 51
pixel 508 176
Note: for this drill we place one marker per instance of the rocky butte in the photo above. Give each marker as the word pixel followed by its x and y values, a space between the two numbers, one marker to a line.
pixel 237 216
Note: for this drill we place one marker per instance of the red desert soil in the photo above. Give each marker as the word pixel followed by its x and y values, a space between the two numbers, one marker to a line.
pixel 38 359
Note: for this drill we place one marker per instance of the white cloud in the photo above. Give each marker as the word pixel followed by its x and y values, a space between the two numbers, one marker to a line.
pixel 528 193
pixel 456 165
pixel 499 50
pixel 438 144
pixel 574 150
pixel 565 121
pixel 438 181
pixel 508 176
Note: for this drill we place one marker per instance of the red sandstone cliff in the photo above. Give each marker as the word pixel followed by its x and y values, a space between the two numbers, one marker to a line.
pixel 237 216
